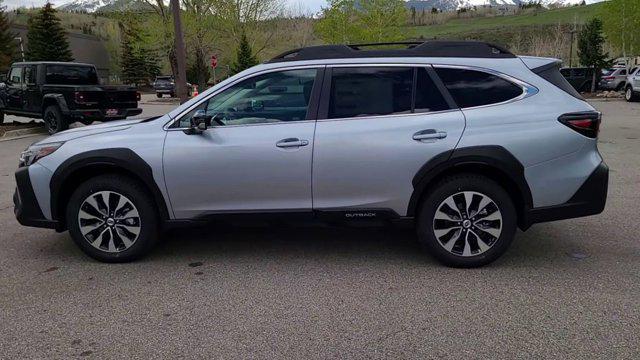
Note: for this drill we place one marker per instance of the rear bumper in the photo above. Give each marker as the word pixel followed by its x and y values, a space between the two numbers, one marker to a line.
pixel 26 207
pixel 101 115
pixel 590 199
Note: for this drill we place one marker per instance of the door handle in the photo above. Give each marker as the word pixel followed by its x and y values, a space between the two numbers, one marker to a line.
pixel 291 142
pixel 429 134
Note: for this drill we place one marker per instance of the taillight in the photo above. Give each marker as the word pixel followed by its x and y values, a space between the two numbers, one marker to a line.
pixel 586 123
pixel 608 78
pixel 80 97
pixel 137 96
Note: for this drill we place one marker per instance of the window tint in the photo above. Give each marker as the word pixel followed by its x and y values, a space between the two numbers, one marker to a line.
pixel 428 96
pixel 15 77
pixel 552 75
pixel 71 75
pixel 580 72
pixel 369 91
pixel 475 88
pixel 30 75
pixel 273 97
pixel 623 72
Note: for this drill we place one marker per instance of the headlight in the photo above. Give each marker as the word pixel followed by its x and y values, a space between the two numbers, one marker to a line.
pixel 36 152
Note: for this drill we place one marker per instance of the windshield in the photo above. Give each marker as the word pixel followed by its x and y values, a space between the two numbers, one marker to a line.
pixel 71 75
pixel 164 80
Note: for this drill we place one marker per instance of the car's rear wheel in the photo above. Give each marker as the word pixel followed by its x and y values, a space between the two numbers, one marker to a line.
pixel 630 95
pixel 53 120
pixel 112 218
pixel 467 220
pixel 1 117
pixel 158 95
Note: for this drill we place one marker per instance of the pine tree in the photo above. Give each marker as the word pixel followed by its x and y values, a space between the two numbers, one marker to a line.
pixel 46 38
pixel 244 56
pixel 7 41
pixel 137 63
pixel 590 50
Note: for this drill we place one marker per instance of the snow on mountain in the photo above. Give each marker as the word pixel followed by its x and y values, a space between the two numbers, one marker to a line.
pixel 86 5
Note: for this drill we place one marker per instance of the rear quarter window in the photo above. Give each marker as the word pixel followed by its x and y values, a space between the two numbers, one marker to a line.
pixel 71 75
pixel 470 88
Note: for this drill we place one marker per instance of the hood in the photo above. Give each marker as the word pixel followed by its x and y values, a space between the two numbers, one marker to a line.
pixel 91 130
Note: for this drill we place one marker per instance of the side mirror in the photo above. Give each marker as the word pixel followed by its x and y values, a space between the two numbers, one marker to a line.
pixel 200 121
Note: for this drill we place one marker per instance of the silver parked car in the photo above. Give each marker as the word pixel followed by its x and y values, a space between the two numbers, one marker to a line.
pixel 632 88
pixel 613 79
pixel 463 139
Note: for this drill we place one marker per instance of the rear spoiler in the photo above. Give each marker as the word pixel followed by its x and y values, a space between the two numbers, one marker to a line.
pixel 540 64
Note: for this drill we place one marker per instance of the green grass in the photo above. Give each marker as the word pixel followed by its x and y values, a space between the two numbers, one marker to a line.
pixel 460 28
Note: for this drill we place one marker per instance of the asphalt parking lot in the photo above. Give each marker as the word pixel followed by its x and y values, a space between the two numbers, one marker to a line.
pixel 568 289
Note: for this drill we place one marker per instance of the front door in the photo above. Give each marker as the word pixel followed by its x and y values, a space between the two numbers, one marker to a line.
pixel 257 155
pixel 15 89
pixel 380 127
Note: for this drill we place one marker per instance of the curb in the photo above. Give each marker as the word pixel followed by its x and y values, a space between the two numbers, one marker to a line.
pixel 21 133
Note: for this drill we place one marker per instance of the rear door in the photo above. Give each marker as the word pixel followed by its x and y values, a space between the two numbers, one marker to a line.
pixel 377 126
pixel 32 94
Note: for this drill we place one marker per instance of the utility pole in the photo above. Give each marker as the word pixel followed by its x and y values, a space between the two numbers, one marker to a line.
pixel 571 32
pixel 181 75
pixel 19 38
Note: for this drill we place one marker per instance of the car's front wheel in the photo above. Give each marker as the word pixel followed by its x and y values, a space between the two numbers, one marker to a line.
pixel 630 95
pixel 112 218
pixel 53 120
pixel 467 220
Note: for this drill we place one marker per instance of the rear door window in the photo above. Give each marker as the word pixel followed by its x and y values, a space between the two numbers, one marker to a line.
pixel 370 91
pixel 428 96
pixel 471 88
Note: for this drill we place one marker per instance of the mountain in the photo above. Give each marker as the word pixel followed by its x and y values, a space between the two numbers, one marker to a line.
pixel 448 5
pixel 103 5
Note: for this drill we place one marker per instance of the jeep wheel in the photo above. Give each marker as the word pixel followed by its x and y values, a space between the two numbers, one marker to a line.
pixel 630 95
pixel 158 95
pixel 112 218
pixel 53 120
pixel 1 117
pixel 467 221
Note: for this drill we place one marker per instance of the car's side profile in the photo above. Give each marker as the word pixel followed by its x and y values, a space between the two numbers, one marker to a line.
pixel 632 88
pixel 462 139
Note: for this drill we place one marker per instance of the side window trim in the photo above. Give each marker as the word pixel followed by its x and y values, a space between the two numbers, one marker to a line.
pixel 311 112
pixel 443 89
pixel 527 89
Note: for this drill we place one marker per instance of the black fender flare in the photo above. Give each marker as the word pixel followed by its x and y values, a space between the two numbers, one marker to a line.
pixel 491 156
pixel 60 101
pixel 115 158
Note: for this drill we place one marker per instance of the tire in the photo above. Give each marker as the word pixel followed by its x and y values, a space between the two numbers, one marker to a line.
pixel 630 95
pixel 1 117
pixel 53 120
pixel 452 242
pixel 172 95
pixel 158 95
pixel 136 230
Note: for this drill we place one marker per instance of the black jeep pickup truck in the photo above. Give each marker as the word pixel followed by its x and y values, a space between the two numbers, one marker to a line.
pixel 61 93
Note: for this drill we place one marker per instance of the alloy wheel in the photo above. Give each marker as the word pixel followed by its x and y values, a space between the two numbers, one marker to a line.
pixel 109 221
pixel 467 223
pixel 52 122
pixel 628 94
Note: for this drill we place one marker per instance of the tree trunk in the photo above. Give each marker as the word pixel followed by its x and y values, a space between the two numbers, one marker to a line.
pixel 593 80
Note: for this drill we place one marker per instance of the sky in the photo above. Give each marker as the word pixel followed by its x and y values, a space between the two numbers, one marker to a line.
pixel 308 5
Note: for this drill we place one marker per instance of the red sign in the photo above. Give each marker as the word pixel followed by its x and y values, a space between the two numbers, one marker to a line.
pixel 214 61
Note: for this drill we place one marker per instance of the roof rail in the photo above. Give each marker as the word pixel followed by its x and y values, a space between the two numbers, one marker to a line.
pixel 434 48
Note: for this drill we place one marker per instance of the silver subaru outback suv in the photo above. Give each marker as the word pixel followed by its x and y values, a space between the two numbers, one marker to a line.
pixel 462 139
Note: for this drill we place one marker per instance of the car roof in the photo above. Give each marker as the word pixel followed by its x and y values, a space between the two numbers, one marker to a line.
pixel 52 63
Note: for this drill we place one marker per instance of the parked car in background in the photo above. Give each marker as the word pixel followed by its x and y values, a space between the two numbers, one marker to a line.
pixel 463 140
pixel 632 88
pixel 579 77
pixel 61 93
pixel 165 85
pixel 613 79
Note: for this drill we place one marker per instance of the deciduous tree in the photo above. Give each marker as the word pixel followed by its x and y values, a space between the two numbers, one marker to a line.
pixel 7 41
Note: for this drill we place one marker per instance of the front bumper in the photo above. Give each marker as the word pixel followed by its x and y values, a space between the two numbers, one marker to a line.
pixel 26 207
pixel 590 199
pixel 101 114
